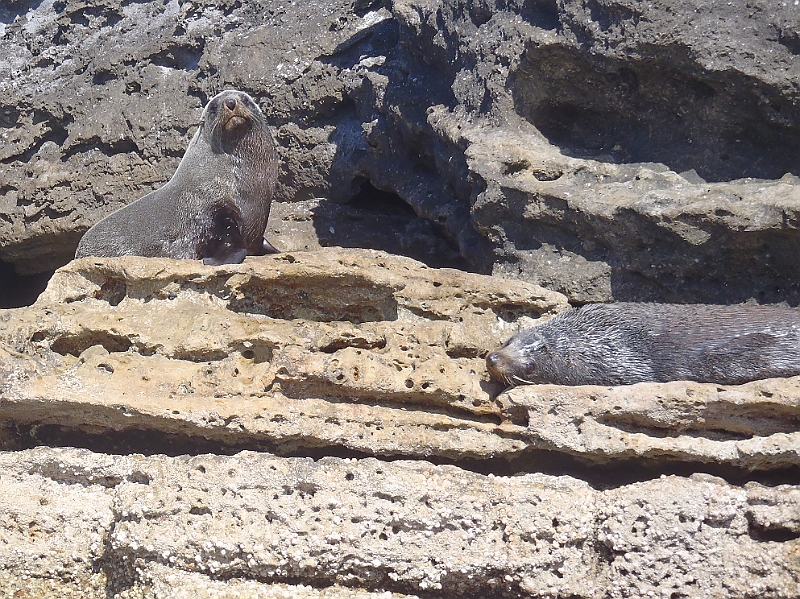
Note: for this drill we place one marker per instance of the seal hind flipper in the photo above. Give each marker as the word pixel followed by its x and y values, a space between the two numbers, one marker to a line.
pixel 232 257
pixel 225 243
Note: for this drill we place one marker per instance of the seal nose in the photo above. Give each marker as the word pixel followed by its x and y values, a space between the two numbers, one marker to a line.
pixel 230 103
pixel 493 360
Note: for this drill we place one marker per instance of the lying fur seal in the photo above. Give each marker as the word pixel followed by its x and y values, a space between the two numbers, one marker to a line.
pixel 216 205
pixel 626 343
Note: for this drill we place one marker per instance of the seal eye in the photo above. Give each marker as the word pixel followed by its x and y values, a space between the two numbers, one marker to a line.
pixel 230 103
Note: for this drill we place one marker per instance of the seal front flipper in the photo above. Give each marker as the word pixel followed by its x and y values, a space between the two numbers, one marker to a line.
pixel 225 243
pixel 268 248
pixel 231 257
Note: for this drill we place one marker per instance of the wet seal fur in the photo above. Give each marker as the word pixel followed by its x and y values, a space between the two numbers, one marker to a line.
pixel 627 343
pixel 216 205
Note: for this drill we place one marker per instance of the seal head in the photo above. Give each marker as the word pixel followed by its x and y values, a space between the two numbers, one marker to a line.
pixel 216 205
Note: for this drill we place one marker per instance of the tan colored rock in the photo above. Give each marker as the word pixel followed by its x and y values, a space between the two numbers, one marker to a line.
pixel 172 583
pixel 168 523
pixel 310 349
pixel 352 349
pixel 359 353
pixel 752 426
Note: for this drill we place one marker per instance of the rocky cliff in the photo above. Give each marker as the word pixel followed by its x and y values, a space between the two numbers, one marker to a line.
pixel 319 423
pixel 605 149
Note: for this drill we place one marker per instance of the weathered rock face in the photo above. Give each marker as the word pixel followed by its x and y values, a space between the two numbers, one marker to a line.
pixel 172 527
pixel 609 149
pixel 320 424
pixel 328 367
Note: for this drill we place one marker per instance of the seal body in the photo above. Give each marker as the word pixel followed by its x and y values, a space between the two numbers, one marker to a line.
pixel 216 205
pixel 627 343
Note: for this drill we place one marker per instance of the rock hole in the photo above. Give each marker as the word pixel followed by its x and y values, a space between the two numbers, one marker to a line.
pixel 382 220
pixel 770 534
pixel 185 57
pixel 139 477
pixel 103 76
pixel 112 291
pixel 517 166
pixel 76 345
pixel 17 291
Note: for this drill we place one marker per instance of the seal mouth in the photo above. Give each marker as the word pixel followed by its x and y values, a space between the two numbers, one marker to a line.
pixel 234 121
pixel 499 368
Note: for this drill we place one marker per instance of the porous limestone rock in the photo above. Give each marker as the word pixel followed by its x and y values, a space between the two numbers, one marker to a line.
pixel 321 424
pixel 355 347
pixel 232 526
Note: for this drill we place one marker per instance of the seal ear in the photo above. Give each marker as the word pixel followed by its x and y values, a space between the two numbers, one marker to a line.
pixel 225 244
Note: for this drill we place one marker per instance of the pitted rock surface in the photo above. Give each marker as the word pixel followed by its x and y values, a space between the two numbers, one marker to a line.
pixel 321 424
pixel 354 348
pixel 213 523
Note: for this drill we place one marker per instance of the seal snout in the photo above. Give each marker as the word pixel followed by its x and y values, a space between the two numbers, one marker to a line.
pixel 236 114
pixel 500 366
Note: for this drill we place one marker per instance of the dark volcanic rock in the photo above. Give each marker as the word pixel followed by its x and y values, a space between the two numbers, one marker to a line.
pixel 606 149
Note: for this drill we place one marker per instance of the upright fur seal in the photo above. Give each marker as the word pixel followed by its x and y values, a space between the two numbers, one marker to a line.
pixel 626 343
pixel 215 207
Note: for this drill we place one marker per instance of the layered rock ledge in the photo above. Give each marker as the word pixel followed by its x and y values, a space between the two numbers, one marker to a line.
pixel 320 424
pixel 325 418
